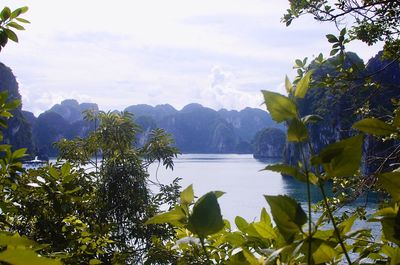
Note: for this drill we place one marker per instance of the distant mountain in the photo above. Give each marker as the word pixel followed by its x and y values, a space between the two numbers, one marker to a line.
pixel 71 110
pixel 198 129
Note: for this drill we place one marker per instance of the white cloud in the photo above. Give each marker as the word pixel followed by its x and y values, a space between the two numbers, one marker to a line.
pixel 129 51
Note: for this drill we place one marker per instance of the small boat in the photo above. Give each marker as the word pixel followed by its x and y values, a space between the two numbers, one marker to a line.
pixel 35 162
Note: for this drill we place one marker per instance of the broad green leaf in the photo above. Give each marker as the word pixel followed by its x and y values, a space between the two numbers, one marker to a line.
pixel 393 253
pixel 375 127
pixel 389 218
pixel 238 259
pixel 264 230
pixel 342 158
pixel 391 183
pixel 19 153
pixel 15 240
pixel 280 107
pixel 218 193
pixel 303 85
pixel 23 256
pixel 265 218
pixel 241 224
pixel 175 216
pixel 11 35
pixel 5 13
pixel 22 20
pixel 346 225
pixel 95 262
pixel 323 254
pixel 332 38
pixel 299 62
pixel 206 218
pixel 287 170
pixel 235 238
pixel 187 195
pixel 65 169
pixel 54 172
pixel 73 190
pixel 288 85
pixel 15 25
pixel 297 131
pixel 287 214
pixel 250 257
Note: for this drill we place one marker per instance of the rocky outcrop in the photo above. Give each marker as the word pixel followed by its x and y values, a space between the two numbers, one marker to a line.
pixel 18 133
pixel 269 143
pixel 337 107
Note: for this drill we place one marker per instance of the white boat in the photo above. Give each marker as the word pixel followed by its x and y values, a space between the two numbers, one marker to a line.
pixel 35 162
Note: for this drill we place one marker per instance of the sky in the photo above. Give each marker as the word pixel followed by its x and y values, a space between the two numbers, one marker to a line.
pixel 219 53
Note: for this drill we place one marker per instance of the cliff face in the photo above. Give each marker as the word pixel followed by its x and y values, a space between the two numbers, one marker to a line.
pixel 18 133
pixel 197 129
pixel 337 107
pixel 269 143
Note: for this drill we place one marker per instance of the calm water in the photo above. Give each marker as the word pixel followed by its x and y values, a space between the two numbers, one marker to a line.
pixel 237 175
pixel 240 177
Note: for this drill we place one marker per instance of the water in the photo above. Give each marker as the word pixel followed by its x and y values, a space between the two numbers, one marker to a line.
pixel 240 177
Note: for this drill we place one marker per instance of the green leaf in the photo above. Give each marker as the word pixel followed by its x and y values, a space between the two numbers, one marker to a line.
pixel 11 35
pixel 288 85
pixel 393 253
pixel 265 218
pixel 175 216
pixel 206 218
pixel 264 230
pixel 23 256
pixel 19 153
pixel 299 63
pixel 54 172
pixel 187 195
pixel 22 20
pixel 235 238
pixel 334 51
pixel 5 13
pixel 250 257
pixel 287 170
pixel 375 127
pixel 391 183
pixel 280 107
pixel 342 158
pixel 303 85
pixel 323 254
pixel 95 262
pixel 66 169
pixel 73 190
pixel 287 214
pixel 218 193
pixel 332 38
pixel 241 224
pixel 297 131
pixel 15 25
pixel 346 225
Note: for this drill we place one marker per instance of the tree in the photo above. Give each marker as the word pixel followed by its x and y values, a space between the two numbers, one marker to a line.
pixel 371 20
pixel 122 196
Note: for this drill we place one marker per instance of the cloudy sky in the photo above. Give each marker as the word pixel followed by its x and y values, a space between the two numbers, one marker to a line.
pixel 219 53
